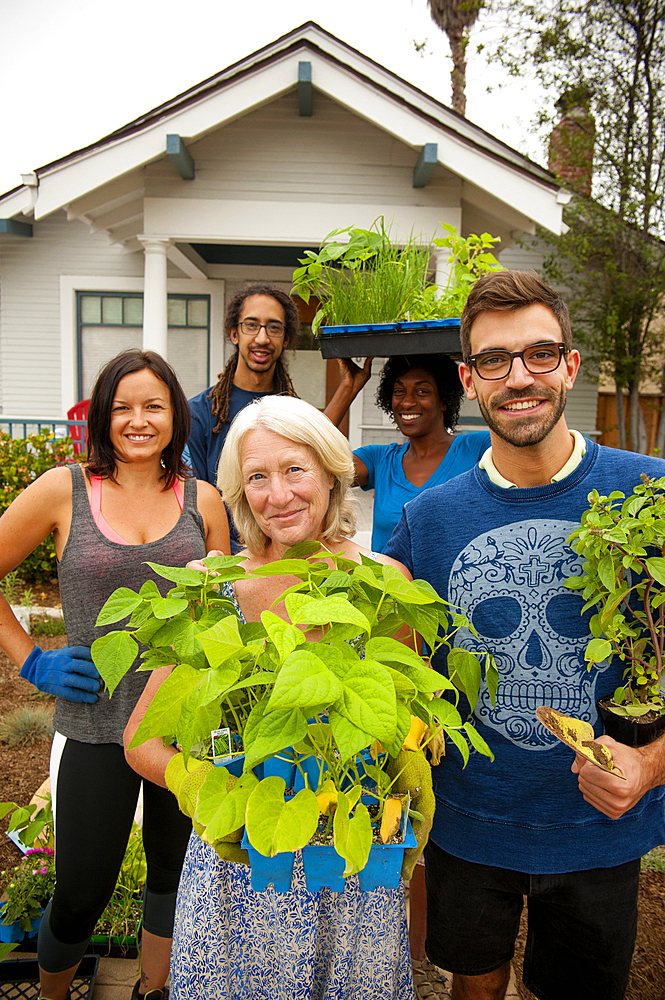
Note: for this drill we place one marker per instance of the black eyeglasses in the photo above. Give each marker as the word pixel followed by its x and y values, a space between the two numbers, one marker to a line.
pixel 274 329
pixel 538 359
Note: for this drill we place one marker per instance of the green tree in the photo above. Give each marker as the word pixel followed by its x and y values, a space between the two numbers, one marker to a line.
pixel 608 58
pixel 456 18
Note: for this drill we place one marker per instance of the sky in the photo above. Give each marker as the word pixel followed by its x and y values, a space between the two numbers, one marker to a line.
pixel 74 70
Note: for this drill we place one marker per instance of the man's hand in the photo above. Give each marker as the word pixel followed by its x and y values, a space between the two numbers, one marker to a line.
pixel 642 767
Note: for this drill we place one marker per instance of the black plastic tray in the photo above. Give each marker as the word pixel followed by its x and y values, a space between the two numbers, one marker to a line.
pixel 384 340
pixel 19 979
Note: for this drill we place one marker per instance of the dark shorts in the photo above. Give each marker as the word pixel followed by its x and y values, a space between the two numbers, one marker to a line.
pixel 581 929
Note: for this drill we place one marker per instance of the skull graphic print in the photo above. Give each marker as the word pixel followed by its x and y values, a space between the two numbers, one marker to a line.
pixel 510 584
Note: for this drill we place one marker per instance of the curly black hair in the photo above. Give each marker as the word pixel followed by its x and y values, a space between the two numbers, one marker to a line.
pixel 440 366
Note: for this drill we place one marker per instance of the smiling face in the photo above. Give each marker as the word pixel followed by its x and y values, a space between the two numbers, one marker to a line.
pixel 141 417
pixel 522 409
pixel 286 487
pixel 258 352
pixel 417 407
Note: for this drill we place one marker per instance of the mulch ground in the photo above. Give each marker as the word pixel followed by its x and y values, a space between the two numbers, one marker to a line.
pixel 22 771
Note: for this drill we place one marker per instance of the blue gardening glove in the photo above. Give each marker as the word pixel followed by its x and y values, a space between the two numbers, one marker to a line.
pixel 67 673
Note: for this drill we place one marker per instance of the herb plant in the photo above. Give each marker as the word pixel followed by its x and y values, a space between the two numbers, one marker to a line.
pixel 341 687
pixel 370 279
pixel 622 540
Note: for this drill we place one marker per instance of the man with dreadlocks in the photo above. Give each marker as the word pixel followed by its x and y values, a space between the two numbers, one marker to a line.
pixel 261 320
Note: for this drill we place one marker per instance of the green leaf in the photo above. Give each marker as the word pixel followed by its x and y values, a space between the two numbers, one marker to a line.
pixel 606 573
pixel 392 651
pixel 229 814
pixel 275 731
pixel 179 574
pixel 285 637
pixel 491 677
pixel 324 610
pixel 273 825
pixel 168 607
pixel 222 641
pixel 405 591
pixel 368 699
pixel 113 655
pixel 460 743
pixel 445 713
pixel 303 681
pixel 153 659
pixel 464 670
pixel 477 741
pixel 368 575
pixel 283 567
pixel 6 807
pixel 350 739
pixel 425 620
pixel 656 566
pixel 352 836
pixel 120 604
pixel 303 549
pixel 598 650
pixel 163 714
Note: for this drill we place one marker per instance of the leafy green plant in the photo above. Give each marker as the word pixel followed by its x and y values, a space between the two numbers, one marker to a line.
pixel 32 823
pixel 26 725
pixel 29 886
pixel 47 626
pixel 330 682
pixel 370 279
pixel 622 540
pixel 122 915
pixel 22 460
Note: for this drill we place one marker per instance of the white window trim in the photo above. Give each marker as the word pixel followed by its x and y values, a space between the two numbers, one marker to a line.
pixel 70 284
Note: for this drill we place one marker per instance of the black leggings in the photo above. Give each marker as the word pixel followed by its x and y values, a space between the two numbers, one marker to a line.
pixel 96 798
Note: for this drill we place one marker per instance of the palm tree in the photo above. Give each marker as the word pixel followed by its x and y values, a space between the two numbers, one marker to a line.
pixel 456 18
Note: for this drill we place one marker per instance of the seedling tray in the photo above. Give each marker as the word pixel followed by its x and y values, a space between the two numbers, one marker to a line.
pixel 19 979
pixel 383 340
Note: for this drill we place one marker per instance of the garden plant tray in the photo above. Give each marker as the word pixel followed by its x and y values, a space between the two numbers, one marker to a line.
pixel 19 979
pixel 383 340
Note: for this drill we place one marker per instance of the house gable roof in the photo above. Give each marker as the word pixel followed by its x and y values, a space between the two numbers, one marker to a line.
pixel 106 178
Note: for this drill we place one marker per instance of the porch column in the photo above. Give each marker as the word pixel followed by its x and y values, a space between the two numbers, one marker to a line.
pixel 442 268
pixel 155 322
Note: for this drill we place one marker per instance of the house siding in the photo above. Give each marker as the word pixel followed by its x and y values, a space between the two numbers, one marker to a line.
pixel 274 154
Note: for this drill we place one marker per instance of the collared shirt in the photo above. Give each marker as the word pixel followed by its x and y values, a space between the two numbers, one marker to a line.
pixel 579 451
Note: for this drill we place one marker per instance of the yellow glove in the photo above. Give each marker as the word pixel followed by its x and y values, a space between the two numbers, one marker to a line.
pixel 416 778
pixel 185 782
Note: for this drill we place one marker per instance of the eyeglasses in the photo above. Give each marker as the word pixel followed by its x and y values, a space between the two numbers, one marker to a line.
pixel 538 359
pixel 274 329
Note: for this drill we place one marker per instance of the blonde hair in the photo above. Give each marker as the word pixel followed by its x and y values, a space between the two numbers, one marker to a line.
pixel 302 423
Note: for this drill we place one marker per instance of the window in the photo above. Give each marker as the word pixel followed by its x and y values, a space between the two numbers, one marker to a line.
pixel 110 322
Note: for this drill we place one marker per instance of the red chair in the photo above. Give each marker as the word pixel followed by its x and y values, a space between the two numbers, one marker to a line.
pixel 77 432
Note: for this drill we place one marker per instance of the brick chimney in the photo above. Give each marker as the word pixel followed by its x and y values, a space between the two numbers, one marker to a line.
pixel 572 141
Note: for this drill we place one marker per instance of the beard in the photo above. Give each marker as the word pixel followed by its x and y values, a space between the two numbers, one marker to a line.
pixel 528 431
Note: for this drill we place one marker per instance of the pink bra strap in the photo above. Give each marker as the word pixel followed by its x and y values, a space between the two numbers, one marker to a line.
pixel 100 520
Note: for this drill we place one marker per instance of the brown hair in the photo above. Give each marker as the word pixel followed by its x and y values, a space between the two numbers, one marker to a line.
pixel 220 393
pixel 102 459
pixel 507 291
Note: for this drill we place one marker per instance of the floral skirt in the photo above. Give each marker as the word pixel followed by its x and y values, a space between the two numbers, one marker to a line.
pixel 231 943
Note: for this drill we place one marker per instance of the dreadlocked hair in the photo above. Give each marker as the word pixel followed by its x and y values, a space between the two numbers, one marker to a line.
pixel 220 394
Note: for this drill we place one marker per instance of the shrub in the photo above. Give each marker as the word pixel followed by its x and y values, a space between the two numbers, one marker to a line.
pixel 22 460
pixel 27 725
pixel 47 626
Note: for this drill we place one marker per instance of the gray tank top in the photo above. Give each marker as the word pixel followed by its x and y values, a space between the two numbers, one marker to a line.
pixel 91 568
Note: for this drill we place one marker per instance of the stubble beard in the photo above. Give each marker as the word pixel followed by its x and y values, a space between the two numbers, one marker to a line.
pixel 527 433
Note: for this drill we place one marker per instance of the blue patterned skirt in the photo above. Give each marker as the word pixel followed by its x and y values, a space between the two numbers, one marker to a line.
pixel 231 943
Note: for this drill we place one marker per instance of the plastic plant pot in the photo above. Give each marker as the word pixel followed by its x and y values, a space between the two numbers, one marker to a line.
pixel 236 766
pixel 276 871
pixel 384 864
pixel 324 868
pixel 630 732
pixel 12 933
pixel 382 340
pixel 282 765
pixel 312 767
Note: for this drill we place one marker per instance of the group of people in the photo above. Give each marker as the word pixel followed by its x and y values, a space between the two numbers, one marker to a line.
pixel 484 519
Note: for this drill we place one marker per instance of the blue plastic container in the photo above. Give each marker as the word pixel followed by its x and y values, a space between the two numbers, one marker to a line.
pixel 312 767
pixel 282 765
pixel 324 868
pixel 382 340
pixel 276 871
pixel 236 765
pixel 12 933
pixel 385 863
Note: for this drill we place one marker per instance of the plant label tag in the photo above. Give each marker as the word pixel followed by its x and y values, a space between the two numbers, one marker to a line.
pixel 221 744
pixel 405 814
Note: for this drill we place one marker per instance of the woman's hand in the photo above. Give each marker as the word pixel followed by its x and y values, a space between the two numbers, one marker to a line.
pixel 200 566
pixel 352 380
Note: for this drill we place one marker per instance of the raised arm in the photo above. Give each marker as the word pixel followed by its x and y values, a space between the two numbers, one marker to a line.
pixel 352 380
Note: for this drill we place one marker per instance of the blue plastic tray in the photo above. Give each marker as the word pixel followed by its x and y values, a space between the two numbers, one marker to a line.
pixel 383 340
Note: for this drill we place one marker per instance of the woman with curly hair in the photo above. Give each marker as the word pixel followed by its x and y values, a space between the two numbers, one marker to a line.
pixel 423 395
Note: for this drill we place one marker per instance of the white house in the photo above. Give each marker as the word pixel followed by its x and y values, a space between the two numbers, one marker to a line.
pixel 142 236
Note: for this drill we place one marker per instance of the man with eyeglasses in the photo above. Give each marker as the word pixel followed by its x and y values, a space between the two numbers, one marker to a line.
pixel 261 321
pixel 493 542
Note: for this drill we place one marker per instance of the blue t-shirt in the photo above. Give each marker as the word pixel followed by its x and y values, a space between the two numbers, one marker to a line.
pixel 391 487
pixel 502 556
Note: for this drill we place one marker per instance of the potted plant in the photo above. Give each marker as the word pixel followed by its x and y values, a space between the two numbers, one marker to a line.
pixel 29 887
pixel 622 540
pixel 376 297
pixel 331 698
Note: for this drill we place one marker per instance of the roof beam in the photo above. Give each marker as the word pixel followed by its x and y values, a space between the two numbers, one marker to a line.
pixel 180 157
pixel 425 165
pixel 14 228
pixel 305 89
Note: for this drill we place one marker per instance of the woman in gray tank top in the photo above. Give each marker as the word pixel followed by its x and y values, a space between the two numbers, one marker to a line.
pixel 133 501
